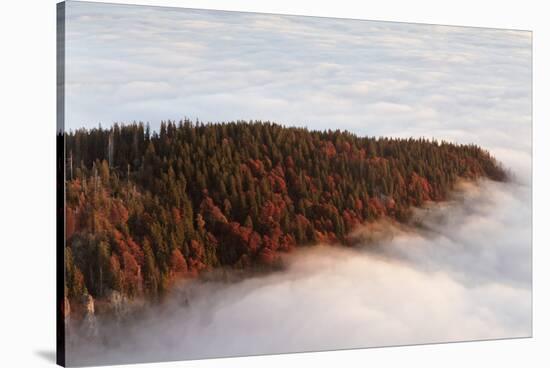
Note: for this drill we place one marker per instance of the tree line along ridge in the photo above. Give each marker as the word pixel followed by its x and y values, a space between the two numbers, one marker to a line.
pixel 146 208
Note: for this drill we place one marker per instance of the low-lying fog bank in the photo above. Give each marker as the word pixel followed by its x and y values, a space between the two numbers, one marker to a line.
pixel 465 275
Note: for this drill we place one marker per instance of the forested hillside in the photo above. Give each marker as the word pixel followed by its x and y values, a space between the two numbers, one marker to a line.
pixel 144 209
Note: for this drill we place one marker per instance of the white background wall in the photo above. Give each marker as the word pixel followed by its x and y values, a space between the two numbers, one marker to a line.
pixel 27 181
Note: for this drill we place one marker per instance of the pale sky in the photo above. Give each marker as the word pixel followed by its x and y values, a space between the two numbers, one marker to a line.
pixel 139 63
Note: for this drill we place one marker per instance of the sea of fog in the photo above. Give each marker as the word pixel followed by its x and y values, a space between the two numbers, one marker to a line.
pixel 463 274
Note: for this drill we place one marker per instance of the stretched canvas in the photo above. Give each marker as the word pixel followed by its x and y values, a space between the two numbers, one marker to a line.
pixel 235 184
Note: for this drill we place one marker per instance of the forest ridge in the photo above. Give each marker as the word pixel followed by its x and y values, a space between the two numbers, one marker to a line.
pixel 146 208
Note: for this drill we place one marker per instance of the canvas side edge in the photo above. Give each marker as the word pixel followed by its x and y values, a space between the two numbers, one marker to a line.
pixel 60 186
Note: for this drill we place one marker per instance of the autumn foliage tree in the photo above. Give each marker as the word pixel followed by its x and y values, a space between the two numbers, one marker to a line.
pixel 144 208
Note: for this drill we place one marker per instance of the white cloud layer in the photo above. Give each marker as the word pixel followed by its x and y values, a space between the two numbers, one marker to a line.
pixel 126 63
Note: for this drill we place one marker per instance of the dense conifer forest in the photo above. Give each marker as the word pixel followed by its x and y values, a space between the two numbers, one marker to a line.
pixel 144 209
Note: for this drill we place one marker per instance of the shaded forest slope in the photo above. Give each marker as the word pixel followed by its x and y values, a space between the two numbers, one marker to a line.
pixel 146 208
